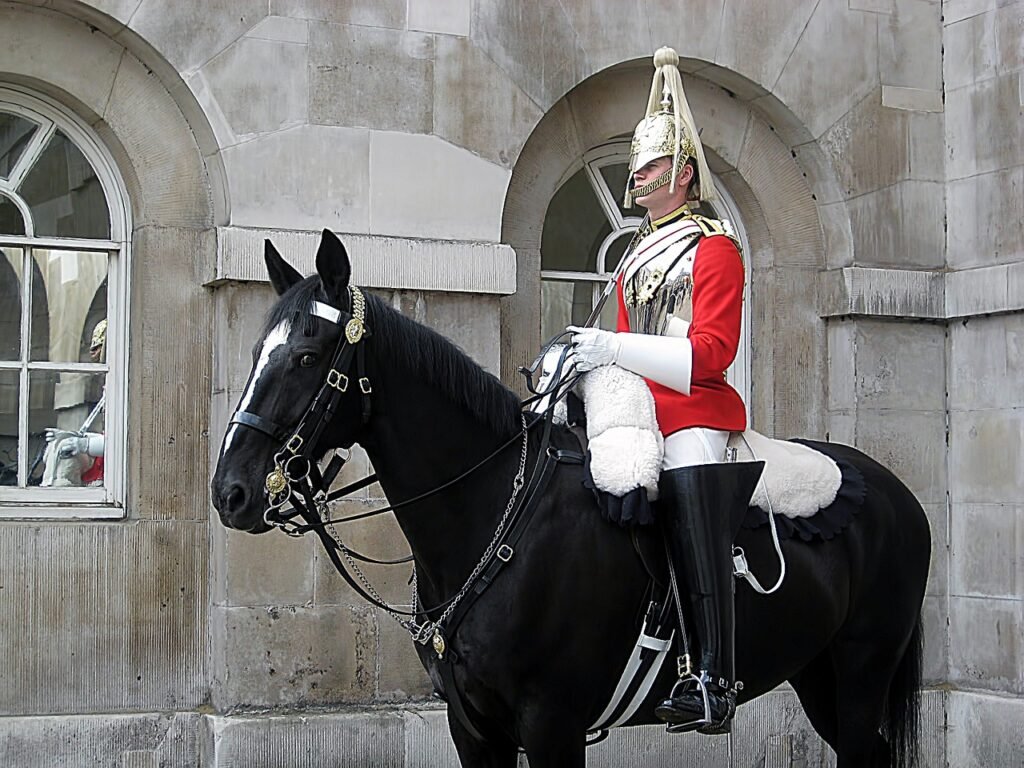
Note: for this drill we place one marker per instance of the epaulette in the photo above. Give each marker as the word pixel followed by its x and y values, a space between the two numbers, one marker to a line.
pixel 711 227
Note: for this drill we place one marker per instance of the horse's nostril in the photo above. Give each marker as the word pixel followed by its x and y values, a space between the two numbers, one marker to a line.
pixel 234 499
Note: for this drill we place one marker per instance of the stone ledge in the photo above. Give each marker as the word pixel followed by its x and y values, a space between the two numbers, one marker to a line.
pixel 377 261
pixel 921 294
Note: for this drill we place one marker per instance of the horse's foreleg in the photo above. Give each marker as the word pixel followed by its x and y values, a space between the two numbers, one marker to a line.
pixel 493 753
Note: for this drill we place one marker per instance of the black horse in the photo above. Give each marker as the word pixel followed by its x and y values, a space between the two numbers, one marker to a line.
pixel 540 652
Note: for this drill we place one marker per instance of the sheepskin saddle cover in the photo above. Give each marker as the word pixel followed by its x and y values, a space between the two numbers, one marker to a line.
pixel 626 449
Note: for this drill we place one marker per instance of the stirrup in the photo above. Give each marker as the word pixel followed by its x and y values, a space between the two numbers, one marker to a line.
pixel 706 725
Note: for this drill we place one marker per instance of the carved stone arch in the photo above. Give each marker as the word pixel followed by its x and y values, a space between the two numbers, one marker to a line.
pixel 778 178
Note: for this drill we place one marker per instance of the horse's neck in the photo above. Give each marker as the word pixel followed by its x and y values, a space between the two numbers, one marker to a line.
pixel 421 441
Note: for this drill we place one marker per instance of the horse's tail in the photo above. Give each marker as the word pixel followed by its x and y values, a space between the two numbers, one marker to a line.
pixel 903 707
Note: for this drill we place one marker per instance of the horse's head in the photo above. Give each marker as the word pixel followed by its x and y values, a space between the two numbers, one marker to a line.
pixel 292 360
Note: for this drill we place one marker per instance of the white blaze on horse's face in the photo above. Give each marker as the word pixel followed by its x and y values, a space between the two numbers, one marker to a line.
pixel 276 338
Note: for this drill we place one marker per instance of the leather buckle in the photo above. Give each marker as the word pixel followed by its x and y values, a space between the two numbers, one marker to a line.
pixel 504 553
pixel 364 385
pixel 337 380
pixel 293 444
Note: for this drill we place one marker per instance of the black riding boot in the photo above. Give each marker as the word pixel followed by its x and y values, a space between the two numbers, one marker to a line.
pixel 702 507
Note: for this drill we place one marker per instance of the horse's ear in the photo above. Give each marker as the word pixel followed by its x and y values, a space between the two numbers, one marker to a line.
pixel 282 274
pixel 333 266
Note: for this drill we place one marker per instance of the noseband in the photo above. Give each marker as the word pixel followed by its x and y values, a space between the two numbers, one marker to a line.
pixel 295 466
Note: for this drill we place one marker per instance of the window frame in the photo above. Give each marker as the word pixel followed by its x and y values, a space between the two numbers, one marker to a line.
pixel 616 152
pixel 74 503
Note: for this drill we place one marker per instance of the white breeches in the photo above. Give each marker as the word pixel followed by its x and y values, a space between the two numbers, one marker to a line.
pixel 694 446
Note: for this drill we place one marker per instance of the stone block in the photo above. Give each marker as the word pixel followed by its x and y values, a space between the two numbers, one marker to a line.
pixel 986 454
pixel 986 356
pixel 721 119
pixel 335 740
pixel 51 48
pixel 869 146
pixel 476 105
pixel 900 226
pixel 919 462
pixel 281 29
pixel 838 237
pixel 92 741
pixel 821 95
pixel 984 45
pixel 109 618
pixel 294 657
pixel 984 219
pixel 402 677
pixel 251 102
pixel 910 46
pixel 545 66
pixel 171 358
pixel 985 559
pixel 196 30
pixel 938 570
pixel 986 636
pixel 239 311
pixel 984 129
pixel 447 17
pixel 841 427
pixel 173 183
pixel 911 99
pixel 268 570
pixel 900 365
pixel 879 293
pixel 744 28
pixel 309 177
pixel 934 627
pixel 420 187
pixel 842 364
pixel 199 88
pixel 592 19
pixel 984 731
pixel 390 14
pixel 108 16
pixel 372 78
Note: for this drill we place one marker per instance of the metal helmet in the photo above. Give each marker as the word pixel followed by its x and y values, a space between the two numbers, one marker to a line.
pixel 667 130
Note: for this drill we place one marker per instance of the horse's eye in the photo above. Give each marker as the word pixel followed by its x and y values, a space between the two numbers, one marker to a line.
pixel 307 361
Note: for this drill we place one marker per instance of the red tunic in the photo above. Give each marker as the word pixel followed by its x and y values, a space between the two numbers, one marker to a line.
pixel 714 335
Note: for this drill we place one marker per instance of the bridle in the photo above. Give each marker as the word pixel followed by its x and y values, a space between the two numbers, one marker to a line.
pixel 295 466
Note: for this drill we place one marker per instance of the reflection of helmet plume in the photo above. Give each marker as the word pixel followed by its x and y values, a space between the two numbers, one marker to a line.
pixel 99 335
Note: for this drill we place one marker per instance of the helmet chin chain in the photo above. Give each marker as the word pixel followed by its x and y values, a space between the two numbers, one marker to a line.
pixel 650 186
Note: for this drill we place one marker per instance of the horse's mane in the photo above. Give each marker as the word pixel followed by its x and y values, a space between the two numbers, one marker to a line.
pixel 444 366
pixel 401 341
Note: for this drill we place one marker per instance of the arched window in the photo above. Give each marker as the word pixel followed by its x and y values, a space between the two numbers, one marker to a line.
pixel 586 231
pixel 63 310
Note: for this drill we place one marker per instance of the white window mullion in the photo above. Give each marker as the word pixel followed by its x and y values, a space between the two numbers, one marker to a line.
pixel 23 427
pixel 32 152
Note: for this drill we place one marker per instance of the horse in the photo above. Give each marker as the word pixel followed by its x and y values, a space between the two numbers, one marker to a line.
pixel 540 651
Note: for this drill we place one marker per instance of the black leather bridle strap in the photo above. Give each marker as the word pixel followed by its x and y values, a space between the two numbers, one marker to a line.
pixel 271 429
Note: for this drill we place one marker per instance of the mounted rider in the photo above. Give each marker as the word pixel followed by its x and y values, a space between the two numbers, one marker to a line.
pixel 680 296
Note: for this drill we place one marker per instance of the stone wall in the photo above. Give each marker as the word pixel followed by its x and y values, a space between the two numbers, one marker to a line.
pixel 873 147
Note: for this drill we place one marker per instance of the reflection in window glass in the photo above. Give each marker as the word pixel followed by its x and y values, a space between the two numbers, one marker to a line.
pixel 64 193
pixel 616 250
pixel 65 427
pixel 11 220
pixel 570 302
pixel 15 133
pixel 11 264
pixel 574 227
pixel 74 282
pixel 9 382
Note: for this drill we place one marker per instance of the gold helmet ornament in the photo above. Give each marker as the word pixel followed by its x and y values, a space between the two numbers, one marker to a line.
pixel 667 130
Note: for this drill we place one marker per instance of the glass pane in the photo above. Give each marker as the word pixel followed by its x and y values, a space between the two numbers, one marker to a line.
pixel 64 194
pixel 65 425
pixel 15 133
pixel 9 427
pixel 65 315
pixel 574 227
pixel 564 302
pixel 615 177
pixel 11 220
pixel 11 266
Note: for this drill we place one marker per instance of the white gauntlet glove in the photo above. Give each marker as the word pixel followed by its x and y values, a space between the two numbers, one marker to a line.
pixel 592 348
